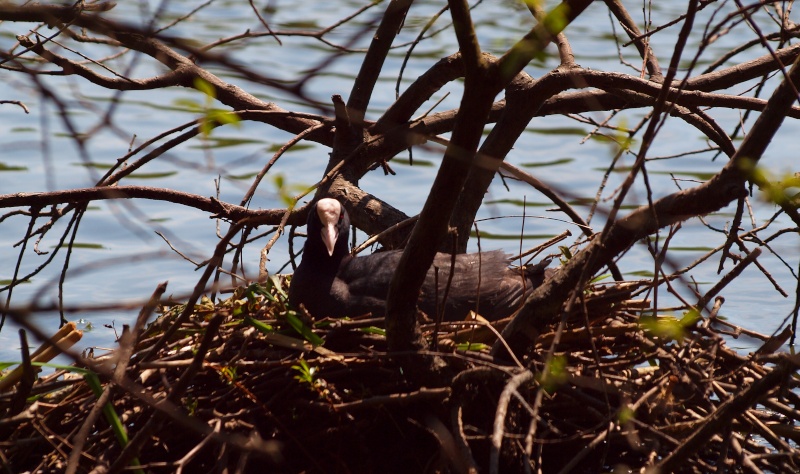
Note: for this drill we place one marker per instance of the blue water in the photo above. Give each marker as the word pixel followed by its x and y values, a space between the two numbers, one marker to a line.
pixel 118 231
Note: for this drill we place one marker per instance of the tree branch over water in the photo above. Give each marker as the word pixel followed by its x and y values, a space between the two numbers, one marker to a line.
pixel 511 123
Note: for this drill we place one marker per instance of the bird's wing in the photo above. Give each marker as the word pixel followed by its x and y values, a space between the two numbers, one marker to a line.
pixel 481 282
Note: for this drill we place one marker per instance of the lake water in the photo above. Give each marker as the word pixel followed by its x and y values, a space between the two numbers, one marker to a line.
pixel 121 259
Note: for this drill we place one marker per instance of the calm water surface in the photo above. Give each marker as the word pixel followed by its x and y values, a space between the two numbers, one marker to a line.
pixel 121 259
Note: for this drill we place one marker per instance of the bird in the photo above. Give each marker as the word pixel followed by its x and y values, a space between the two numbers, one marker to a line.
pixel 330 282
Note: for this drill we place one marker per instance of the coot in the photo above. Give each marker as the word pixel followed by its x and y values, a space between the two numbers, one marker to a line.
pixel 331 282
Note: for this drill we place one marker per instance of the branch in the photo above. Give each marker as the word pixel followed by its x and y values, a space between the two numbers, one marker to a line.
pixel 220 209
pixel 69 67
pixel 158 47
pixel 647 54
pixel 445 70
pixel 727 185
pixel 482 83
pixel 540 36
pixel 391 23
pixel 727 412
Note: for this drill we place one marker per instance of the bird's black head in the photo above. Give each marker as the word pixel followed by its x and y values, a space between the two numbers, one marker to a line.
pixel 328 230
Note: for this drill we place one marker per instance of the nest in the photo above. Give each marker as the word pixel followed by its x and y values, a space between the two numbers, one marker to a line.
pixel 244 385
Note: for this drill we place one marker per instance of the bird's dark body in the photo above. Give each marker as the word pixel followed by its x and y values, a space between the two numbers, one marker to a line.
pixel 341 285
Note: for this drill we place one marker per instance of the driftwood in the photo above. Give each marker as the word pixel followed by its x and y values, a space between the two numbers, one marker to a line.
pixel 244 385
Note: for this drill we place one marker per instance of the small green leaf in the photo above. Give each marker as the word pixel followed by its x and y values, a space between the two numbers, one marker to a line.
pixel 472 346
pixel 690 318
pixel 5 282
pixel 555 374
pixel 224 117
pixel 287 192
pixel 206 126
pixel 600 278
pixel 93 381
pixel 190 104
pixel 205 87
pixel 305 373
pixel 260 326
pixel 665 327
pixel 302 329
pixel 625 414
pixel 565 252
pixel 374 330
pixel 256 289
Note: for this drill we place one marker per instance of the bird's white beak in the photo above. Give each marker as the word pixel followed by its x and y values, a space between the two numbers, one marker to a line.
pixel 329 235
pixel 329 211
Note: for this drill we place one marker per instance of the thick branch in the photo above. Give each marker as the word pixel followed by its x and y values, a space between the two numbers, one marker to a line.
pixel 482 82
pixel 367 76
pixel 402 330
pixel 726 186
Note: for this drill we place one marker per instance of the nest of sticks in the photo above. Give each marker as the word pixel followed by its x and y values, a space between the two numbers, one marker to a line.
pixel 243 385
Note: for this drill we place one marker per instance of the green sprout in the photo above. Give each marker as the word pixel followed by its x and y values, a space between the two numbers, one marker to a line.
pixel 305 373
pixel 555 374
pixel 210 117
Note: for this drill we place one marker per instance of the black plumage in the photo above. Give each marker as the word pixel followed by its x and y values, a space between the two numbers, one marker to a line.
pixel 331 282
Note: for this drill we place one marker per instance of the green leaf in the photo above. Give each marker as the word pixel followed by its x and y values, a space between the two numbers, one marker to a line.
pixel 306 373
pixel 302 329
pixel 275 283
pixel 374 330
pixel 5 282
pixel 259 325
pixel 224 117
pixel 206 126
pixel 93 381
pixel 241 177
pixel 625 414
pixel 472 346
pixel 256 289
pixel 95 165
pixel 565 252
pixel 287 192
pixel 555 374
pixel 665 327
pixel 690 318
pixel 557 19
pixel 190 104
pixel 205 87
pixel 599 278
